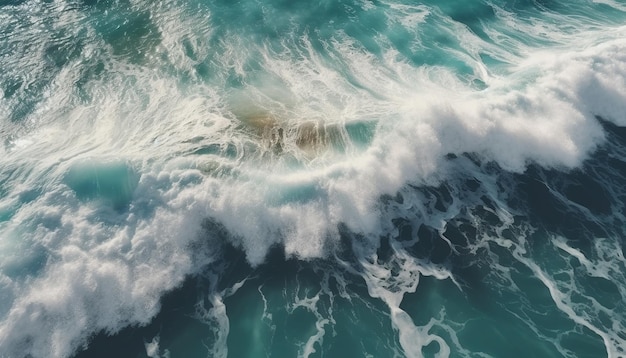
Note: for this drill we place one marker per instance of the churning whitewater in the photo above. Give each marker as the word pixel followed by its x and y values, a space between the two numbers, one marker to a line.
pixel 351 178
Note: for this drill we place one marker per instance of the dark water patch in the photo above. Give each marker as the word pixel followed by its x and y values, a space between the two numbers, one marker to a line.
pixel 607 292
pixel 63 51
pixel 616 137
pixel 584 343
pixel 436 198
pixel 584 190
pixel 525 6
pixel 189 50
pixel 430 246
pixel 444 198
pixel 405 229
pixel 175 325
pixel 131 36
pixel 431 349
pixel 461 233
pixel 430 298
pixel 541 202
pixel 472 184
pixel 472 275
pixel 128 342
pixel 10 86
pixel 11 2
pixel 543 193
pixel 472 14
pixel 229 150
pixel 385 251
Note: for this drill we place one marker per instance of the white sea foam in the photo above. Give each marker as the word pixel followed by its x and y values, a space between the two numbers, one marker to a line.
pixel 390 281
pixel 216 316
pixel 104 268
pixel 572 299
pixel 153 350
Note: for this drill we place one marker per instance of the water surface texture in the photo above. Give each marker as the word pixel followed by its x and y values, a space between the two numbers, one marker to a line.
pixel 290 178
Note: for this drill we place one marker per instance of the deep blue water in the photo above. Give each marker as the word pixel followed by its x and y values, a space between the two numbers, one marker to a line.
pixel 253 178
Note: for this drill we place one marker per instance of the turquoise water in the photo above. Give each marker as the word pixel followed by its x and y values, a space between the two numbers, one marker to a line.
pixel 252 178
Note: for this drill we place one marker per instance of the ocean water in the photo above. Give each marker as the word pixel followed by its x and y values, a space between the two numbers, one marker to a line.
pixel 289 178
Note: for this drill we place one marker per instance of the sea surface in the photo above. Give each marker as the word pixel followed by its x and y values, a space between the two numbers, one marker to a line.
pixel 291 178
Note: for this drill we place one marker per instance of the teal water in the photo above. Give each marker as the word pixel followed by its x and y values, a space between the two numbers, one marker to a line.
pixel 255 178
